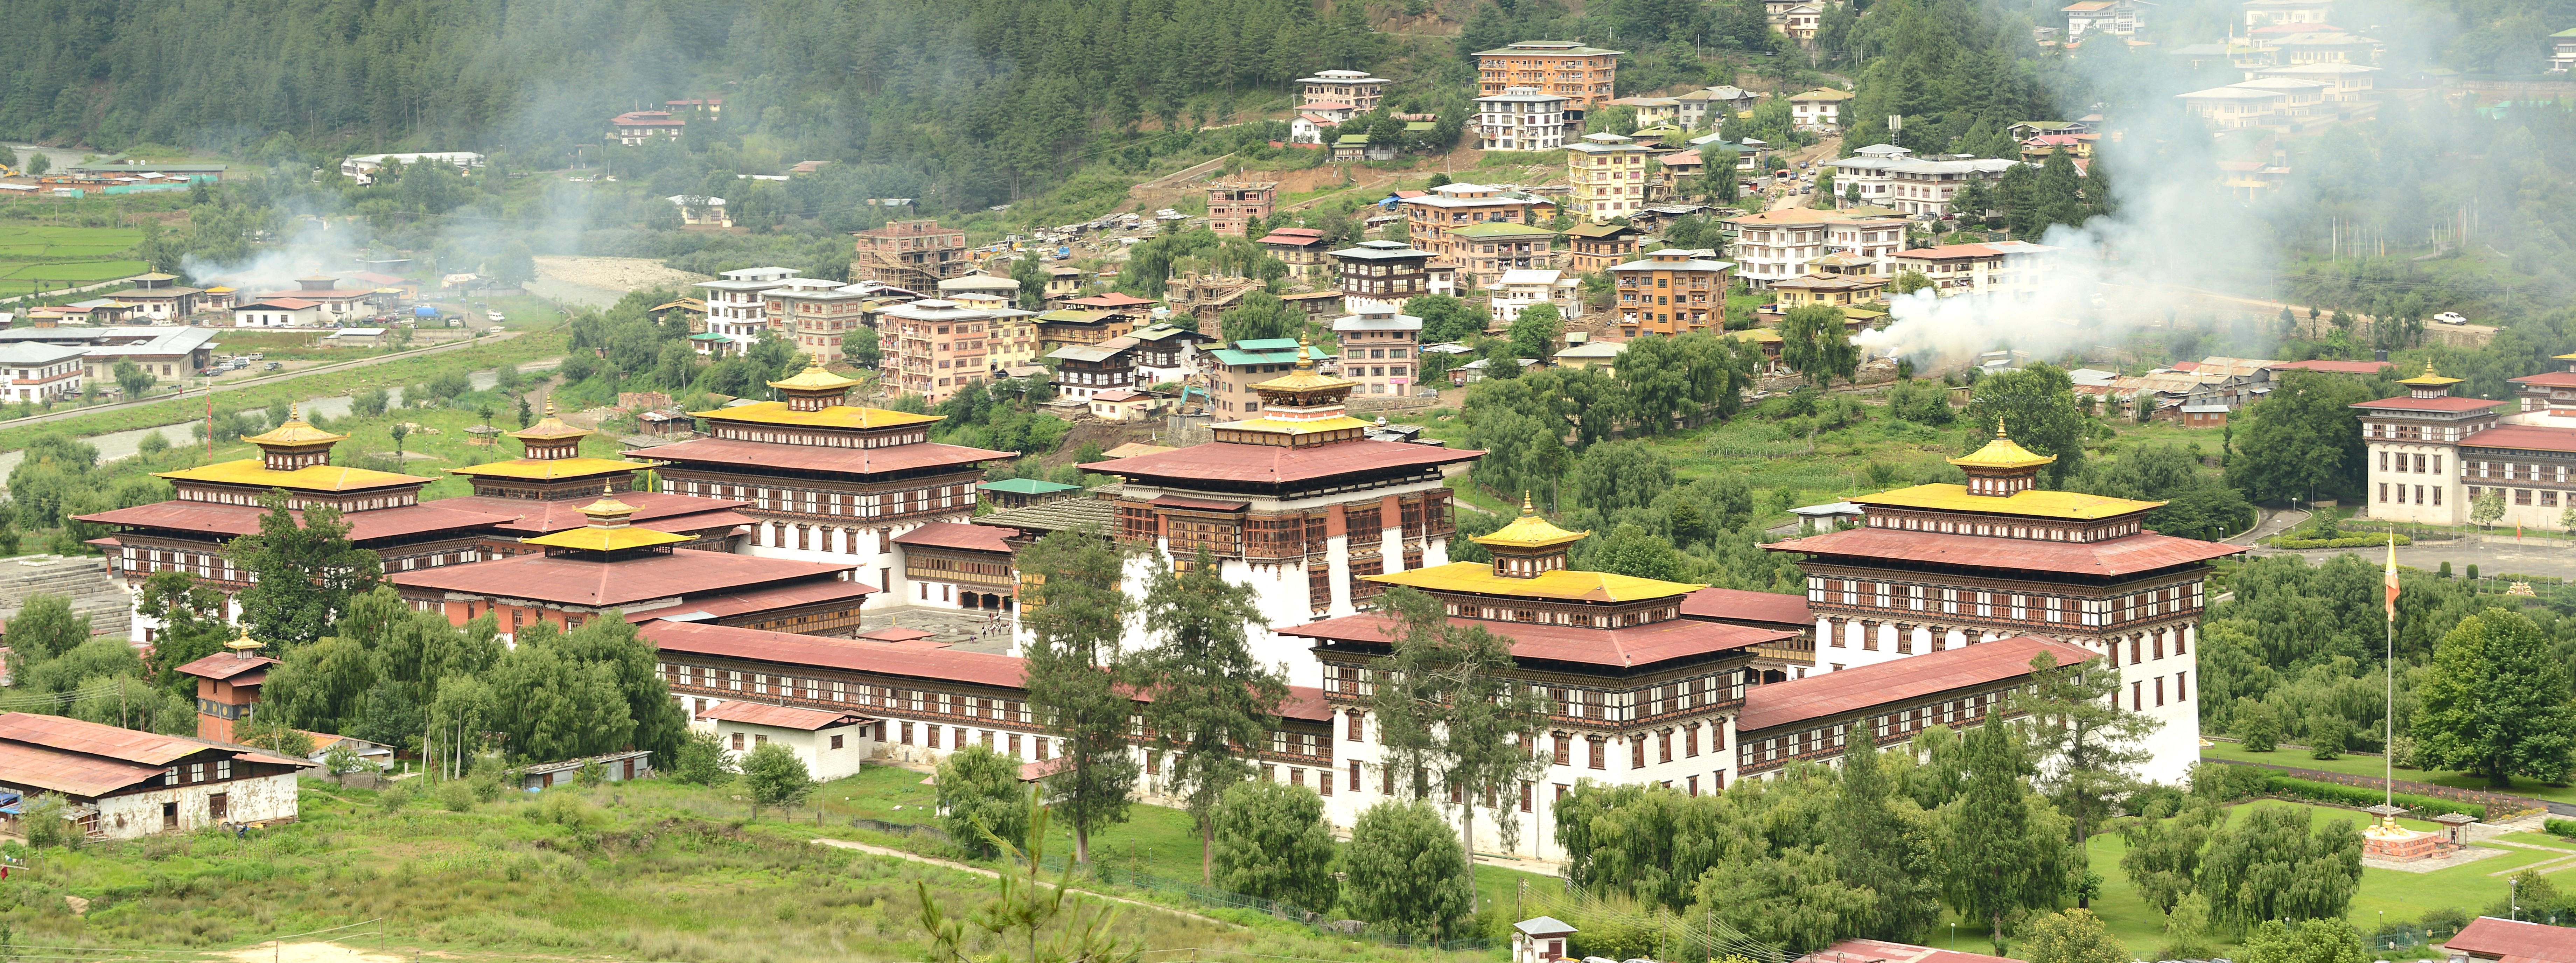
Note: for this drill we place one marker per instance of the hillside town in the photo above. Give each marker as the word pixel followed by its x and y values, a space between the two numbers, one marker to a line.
pixel 1755 481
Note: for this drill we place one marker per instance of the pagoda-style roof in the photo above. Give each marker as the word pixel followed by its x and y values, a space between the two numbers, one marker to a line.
pixel 1304 379
pixel 593 538
pixel 1235 464
pixel 814 378
pixel 311 478
pixel 2015 557
pixel 2430 379
pixel 1560 585
pixel 551 428
pixel 835 416
pixel 1529 531
pixel 295 433
pixel 1627 647
pixel 2003 454
pixel 2031 503
pixel 549 469
pixel 604 582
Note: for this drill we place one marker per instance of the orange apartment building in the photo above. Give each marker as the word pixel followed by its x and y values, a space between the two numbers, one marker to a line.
pixel 1232 207
pixel 934 348
pixel 1599 247
pixel 1431 219
pixel 1582 75
pixel 1672 291
pixel 910 254
pixel 814 314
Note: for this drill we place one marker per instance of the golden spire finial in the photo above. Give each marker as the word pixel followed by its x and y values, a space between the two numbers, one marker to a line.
pixel 1305 362
pixel 295 412
pixel 550 406
pixel 1527 509
pixel 1999 427
pixel 2428 369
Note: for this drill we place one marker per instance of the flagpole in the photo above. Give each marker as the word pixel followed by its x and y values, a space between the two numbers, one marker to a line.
pixel 2388 746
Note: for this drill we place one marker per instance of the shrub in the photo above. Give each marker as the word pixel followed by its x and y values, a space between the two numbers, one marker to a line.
pixel 46 826
pixel 2260 729
pixel 455 797
pixel 591 776
pixel 2473 571
pixel 2445 570
pixel 979 790
pixel 2560 827
pixel 701 760
pixel 2349 541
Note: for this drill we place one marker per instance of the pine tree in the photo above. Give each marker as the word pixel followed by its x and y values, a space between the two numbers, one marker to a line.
pixel 1885 845
pixel 1445 706
pixel 2089 748
pixel 1076 613
pixel 2006 850
pixel 303 575
pixel 1210 703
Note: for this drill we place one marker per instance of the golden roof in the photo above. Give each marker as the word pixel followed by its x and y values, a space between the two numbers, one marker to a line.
pixel 1529 531
pixel 535 469
pixel 814 378
pixel 2031 502
pixel 1305 377
pixel 836 416
pixel 311 478
pixel 607 507
pixel 295 432
pixel 550 428
pixel 2003 454
pixel 2563 357
pixel 2430 378
pixel 1283 426
pixel 598 539
pixel 1479 578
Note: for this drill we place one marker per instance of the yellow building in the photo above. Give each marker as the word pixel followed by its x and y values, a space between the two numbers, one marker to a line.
pixel 1608 172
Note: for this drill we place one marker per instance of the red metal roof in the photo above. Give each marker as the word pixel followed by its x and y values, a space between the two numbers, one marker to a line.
pixel 1832 694
pixel 1306 702
pixel 2548 379
pixel 1737 605
pixel 1629 647
pixel 1111 301
pixel 729 453
pixel 908 659
pixel 761 599
pixel 957 535
pixel 779 717
pixel 895 633
pixel 72 774
pixel 523 516
pixel 1229 461
pixel 2533 437
pixel 233 521
pixel 225 665
pixel 2340 367
pixel 1200 504
pixel 2143 552
pixel 2430 404
pixel 86 758
pixel 1881 951
pixel 2489 938
pixel 593 584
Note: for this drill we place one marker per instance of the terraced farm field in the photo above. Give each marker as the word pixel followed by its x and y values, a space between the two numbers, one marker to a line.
pixel 34 257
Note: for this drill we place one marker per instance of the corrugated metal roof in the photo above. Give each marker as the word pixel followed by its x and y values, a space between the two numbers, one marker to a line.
pixel 593 584
pixel 2490 938
pixel 728 453
pixel 1272 464
pixel 1631 647
pixel 1737 605
pixel 659 511
pixel 2530 437
pixel 237 520
pixel 915 660
pixel 1831 694
pixel 957 535
pixel 225 665
pixel 779 717
pixel 2127 555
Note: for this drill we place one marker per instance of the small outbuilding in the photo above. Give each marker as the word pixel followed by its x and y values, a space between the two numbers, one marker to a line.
pixel 831 744
pixel 617 766
pixel 1540 939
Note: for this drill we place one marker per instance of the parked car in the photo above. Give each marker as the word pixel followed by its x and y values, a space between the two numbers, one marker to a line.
pixel 2450 317
pixel 494 317
pixel 273 365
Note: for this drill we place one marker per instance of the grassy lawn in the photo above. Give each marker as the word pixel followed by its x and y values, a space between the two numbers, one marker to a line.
pixel 645 870
pixel 2373 766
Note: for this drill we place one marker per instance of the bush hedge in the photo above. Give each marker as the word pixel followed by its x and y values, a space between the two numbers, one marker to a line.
pixel 2560 827
pixel 2350 541
pixel 2227 781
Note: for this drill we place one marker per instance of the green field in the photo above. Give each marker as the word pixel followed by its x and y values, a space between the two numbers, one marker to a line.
pixel 2374 766
pixel 64 256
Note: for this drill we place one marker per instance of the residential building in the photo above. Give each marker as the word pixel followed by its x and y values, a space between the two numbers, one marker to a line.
pixel 2349 85
pixel 1084 370
pixel 1672 291
pixel 1602 356
pixel 1231 371
pixel 1520 288
pixel 1432 216
pixel 1835 290
pixel 1128 312
pixel 1950 566
pixel 1062 283
pixel 1302 248
pixel 915 254
pixel 1776 245
pixel 2264 13
pixel 154 296
pixel 336 304
pixel 1869 242
pixel 1231 207
pixel 714 107
pixel 1590 248
pixel 1126 404
pixel 37 372
pixel 1520 118
pixel 827 480
pixel 1352 90
pixel 926 699
pixel 1166 354
pixel 1379 349
pixel 635 128
pixel 814 314
pixel 2079 146
pixel 214 504
pixel 1891 176
pixel 278 312
pixel 1608 172
pixel 1583 75
pixel 1650 110
pixel 1799 22
pixel 362 169
pixel 935 348
pixel 1308 127
pixel 228 685
pixel 1071 327
pixel 2562 51
pixel 1382 271
pixel 163 352
pixel 2115 18
pixel 2015 268
pixel 1484 252
pixel 831 744
pixel 1353 148
pixel 1818 109
pixel 1709 108
pixel 125 784
pixel 736 311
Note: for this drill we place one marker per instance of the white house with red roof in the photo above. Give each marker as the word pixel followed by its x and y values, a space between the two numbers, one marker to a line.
pixel 831 743
pixel 123 784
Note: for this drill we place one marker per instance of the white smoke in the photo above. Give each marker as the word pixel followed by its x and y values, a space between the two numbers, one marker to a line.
pixel 302 246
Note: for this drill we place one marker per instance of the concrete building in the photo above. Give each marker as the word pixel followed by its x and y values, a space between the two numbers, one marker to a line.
pixel 935 348
pixel 736 311
pixel 1379 349
pixel 1483 253
pixel 635 128
pixel 155 297
pixel 362 169
pixel 228 685
pixel 125 784
pixel 2014 268
pixel 1599 247
pixel 1433 218
pixel 1608 172
pixel 1819 109
pixel 36 372
pixel 1891 176
pixel 1084 370
pixel 1584 76
pixel 915 254
pixel 814 314
pixel 1517 289
pixel 1382 271
pixel 1520 118
pixel 336 304
pixel 1232 370
pixel 279 312
pixel 830 744
pixel 1348 90
pixel 1672 291
pixel 1302 248
pixel 1231 207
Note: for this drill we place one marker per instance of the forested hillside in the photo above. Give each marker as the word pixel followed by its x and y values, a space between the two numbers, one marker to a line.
pixel 981 97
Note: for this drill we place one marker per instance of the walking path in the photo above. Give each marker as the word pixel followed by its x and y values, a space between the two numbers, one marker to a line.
pixel 981 871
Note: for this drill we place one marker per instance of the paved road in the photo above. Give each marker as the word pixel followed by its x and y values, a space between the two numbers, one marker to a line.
pixel 2492 554
pixel 279 377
